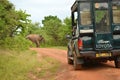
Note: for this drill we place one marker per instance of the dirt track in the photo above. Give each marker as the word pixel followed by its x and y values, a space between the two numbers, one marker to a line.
pixel 104 71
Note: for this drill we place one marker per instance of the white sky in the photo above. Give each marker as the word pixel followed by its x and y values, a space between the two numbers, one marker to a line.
pixel 40 8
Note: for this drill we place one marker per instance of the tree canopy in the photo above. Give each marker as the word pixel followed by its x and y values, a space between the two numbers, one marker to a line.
pixel 15 25
pixel 11 20
pixel 56 29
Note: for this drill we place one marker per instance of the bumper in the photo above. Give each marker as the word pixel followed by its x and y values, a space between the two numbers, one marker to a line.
pixel 92 54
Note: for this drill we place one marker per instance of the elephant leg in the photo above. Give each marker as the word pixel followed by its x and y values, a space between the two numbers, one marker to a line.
pixel 37 44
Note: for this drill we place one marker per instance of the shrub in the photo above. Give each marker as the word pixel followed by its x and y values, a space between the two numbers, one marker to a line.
pixel 18 42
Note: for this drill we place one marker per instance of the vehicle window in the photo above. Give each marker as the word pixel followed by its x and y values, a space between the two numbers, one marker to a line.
pixel 85 13
pixel 102 17
pixel 74 23
pixel 116 11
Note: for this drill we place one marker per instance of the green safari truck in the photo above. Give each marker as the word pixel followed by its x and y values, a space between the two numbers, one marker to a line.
pixel 95 32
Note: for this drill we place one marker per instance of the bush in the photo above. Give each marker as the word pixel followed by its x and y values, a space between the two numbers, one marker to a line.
pixel 16 65
pixel 18 42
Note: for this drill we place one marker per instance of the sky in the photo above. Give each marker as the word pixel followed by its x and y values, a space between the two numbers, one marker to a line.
pixel 38 9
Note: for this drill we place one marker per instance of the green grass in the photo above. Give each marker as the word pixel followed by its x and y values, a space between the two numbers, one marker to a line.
pixel 17 65
pixel 48 68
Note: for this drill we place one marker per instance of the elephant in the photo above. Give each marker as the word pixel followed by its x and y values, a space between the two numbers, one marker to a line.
pixel 35 38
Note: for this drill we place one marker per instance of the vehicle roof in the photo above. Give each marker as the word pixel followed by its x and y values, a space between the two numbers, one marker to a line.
pixel 74 6
pixel 97 0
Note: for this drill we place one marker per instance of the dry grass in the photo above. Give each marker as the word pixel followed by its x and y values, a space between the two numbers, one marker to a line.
pixel 22 65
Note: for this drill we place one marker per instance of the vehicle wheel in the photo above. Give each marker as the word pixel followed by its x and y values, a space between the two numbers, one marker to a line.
pixel 70 61
pixel 117 62
pixel 76 65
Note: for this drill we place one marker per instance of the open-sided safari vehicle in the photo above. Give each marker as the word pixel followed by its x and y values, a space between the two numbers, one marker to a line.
pixel 95 32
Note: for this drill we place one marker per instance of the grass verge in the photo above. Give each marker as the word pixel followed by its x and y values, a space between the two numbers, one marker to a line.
pixel 17 66
pixel 47 69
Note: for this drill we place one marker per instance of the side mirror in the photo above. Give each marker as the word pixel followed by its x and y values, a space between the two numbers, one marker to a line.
pixel 68 37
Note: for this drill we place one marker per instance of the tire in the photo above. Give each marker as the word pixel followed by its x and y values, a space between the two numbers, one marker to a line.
pixel 70 61
pixel 117 62
pixel 76 65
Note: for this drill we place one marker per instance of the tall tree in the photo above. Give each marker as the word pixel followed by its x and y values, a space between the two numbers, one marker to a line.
pixel 33 28
pixel 64 30
pixel 11 20
pixel 51 25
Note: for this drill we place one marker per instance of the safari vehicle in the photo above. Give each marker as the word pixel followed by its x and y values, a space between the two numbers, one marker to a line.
pixel 95 34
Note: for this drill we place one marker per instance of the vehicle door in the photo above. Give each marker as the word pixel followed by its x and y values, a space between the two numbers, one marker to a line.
pixel 103 35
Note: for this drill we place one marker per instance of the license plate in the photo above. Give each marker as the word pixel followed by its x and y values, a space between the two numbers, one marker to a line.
pixel 103 54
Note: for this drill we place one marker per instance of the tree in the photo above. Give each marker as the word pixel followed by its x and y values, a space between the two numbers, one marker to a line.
pixel 64 30
pixel 33 28
pixel 11 20
pixel 51 25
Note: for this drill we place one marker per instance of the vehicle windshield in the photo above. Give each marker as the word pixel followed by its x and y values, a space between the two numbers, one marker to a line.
pixel 102 17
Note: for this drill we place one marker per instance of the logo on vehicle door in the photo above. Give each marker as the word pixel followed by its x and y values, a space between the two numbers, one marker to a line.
pixel 101 44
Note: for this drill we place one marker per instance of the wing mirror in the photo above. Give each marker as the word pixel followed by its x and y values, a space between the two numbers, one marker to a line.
pixel 68 37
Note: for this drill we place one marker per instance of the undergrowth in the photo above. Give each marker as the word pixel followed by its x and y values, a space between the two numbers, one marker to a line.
pixel 16 65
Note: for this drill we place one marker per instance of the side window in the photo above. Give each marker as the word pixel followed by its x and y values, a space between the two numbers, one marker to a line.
pixel 85 13
pixel 116 11
pixel 75 18
pixel 74 23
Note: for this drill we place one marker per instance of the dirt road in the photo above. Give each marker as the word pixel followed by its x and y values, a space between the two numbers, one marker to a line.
pixel 104 71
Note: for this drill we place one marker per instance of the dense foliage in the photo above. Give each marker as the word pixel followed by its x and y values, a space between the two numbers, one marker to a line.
pixel 15 25
pixel 11 20
pixel 55 29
